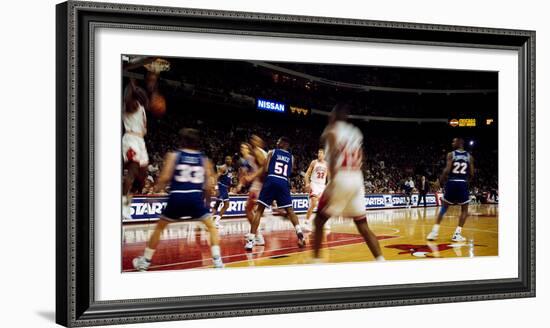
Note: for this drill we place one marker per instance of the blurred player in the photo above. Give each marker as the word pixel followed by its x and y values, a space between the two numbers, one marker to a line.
pixel 345 193
pixel 188 172
pixel 277 169
pixel 225 177
pixel 255 158
pixel 315 183
pixel 456 176
pixel 134 151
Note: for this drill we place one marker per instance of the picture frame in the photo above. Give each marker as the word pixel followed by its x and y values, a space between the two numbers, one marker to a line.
pixel 77 22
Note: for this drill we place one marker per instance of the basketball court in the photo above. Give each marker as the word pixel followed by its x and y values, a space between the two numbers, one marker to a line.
pixel 401 233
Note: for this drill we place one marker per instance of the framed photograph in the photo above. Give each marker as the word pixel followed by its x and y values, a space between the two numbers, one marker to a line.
pixel 217 164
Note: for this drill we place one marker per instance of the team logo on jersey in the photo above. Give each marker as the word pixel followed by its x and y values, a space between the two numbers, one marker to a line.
pixel 431 250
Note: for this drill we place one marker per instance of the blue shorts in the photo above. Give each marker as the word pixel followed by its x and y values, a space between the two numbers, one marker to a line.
pixel 223 193
pixel 456 192
pixel 183 206
pixel 275 189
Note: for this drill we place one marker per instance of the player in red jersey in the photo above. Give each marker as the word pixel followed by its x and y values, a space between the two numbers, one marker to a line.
pixel 315 183
pixel 345 192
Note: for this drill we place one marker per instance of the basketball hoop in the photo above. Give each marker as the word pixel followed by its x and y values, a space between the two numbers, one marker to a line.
pixel 158 65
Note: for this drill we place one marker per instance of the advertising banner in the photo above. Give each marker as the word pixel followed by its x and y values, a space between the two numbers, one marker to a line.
pixel 149 208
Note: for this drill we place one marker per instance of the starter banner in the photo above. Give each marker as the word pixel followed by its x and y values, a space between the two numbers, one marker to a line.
pixel 149 208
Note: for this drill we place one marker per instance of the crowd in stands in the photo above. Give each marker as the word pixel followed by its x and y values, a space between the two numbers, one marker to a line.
pixel 389 160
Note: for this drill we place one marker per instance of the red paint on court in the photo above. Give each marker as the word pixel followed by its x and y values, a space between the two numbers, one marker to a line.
pixel 194 251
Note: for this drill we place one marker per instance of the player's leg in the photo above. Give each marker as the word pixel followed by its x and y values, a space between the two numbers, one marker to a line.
pixel 132 169
pixel 143 262
pixel 457 236
pixel 249 207
pixel 216 206
pixel 217 218
pixel 369 237
pixel 250 210
pixel 214 241
pixel 224 208
pixel 251 238
pixel 264 199
pixel 284 202
pixel 319 221
pixel 133 172
pixel 296 223
pixel 313 201
pixel 435 229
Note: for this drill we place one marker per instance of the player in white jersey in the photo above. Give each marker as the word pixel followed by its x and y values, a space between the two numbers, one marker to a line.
pixel 315 183
pixel 134 151
pixel 345 193
pixel 255 156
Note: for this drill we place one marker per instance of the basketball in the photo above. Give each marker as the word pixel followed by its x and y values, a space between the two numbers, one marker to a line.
pixel 157 104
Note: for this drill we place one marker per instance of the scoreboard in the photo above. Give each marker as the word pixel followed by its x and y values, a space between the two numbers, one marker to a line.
pixel 471 122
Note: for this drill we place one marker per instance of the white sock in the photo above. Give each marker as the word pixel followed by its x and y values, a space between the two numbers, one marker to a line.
pixel 380 258
pixel 435 228
pixel 148 253
pixel 298 228
pixel 251 236
pixel 215 251
pixel 458 230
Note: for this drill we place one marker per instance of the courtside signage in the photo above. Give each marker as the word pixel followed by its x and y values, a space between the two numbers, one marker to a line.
pixel 149 208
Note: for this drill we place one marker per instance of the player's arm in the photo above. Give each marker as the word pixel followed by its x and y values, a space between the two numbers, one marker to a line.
pixel 307 178
pixel 208 180
pixel 447 170
pixel 264 168
pixel 166 173
pixel 262 161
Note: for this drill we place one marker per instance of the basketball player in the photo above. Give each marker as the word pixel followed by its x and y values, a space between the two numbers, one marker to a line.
pixel 188 172
pixel 345 193
pixel 256 160
pixel 277 169
pixel 225 176
pixel 134 151
pixel 315 182
pixel 456 176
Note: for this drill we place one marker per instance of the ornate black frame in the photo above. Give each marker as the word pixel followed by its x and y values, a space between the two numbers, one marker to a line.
pixel 76 23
